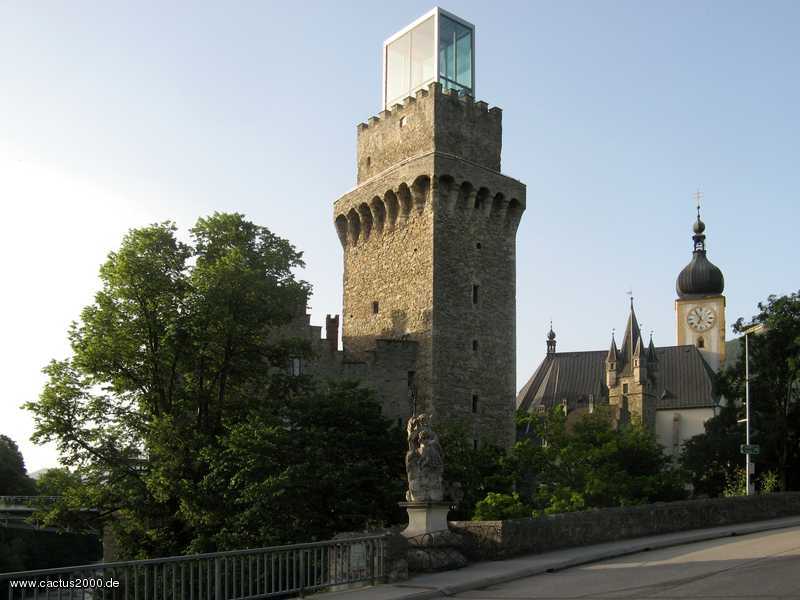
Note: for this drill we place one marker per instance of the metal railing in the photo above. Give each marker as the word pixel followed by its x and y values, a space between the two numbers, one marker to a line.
pixel 278 571
pixel 27 501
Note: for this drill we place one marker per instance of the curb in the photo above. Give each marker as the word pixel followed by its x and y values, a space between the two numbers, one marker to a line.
pixel 590 556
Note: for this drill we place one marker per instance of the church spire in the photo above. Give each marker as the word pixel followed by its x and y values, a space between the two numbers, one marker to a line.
pixel 613 353
pixel 651 351
pixel 551 340
pixel 632 336
pixel 700 277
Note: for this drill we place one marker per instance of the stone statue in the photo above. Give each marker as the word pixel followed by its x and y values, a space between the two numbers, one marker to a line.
pixel 424 462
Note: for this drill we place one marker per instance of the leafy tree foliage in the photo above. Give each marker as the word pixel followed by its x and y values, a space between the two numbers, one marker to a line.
pixel 477 470
pixel 710 459
pixel 173 409
pixel 56 482
pixel 584 462
pixel 774 386
pixel 14 480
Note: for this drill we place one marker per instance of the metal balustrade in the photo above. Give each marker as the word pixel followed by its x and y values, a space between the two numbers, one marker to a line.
pixel 278 571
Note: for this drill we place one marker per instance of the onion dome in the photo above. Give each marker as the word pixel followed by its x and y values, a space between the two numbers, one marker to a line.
pixel 551 340
pixel 700 277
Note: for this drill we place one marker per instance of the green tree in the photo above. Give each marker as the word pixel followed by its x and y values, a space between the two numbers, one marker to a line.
pixel 14 480
pixel 57 482
pixel 177 356
pixel 588 463
pixel 711 458
pixel 477 470
pixel 774 386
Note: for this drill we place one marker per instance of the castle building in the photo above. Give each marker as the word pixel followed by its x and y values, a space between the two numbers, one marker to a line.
pixel 668 389
pixel 428 237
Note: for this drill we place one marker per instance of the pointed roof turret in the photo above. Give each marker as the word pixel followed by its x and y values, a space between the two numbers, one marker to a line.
pixel 632 335
pixel 613 353
pixel 651 351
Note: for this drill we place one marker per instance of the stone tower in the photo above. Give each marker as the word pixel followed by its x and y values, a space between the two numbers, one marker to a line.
pixel 429 253
pixel 631 373
pixel 700 306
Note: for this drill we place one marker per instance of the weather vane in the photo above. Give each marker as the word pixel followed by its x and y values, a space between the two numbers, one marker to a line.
pixel 630 293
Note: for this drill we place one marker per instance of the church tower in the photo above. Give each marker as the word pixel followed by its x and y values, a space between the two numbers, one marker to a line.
pixel 631 373
pixel 700 306
pixel 429 232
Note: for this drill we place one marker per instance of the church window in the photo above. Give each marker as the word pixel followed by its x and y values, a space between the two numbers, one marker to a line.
pixel 474 345
pixel 295 366
pixel 369 161
pixel 701 343
pixel 478 245
pixel 375 307
pixel 474 403
pixel 474 294
pixel 624 388
pixel 475 444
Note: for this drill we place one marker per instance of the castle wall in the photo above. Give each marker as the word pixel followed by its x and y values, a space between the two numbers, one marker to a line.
pixel 474 360
pixel 432 120
pixel 383 369
pixel 429 194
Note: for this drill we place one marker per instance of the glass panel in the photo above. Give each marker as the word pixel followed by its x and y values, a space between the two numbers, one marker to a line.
pixel 398 54
pixel 464 58
pixel 422 53
pixel 455 55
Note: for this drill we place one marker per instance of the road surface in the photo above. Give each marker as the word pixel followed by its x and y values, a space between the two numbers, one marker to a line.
pixel 759 566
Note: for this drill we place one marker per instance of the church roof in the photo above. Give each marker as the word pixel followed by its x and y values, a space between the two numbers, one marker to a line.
pixel 684 379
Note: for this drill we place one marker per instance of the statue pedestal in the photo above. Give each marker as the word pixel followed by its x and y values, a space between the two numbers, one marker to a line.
pixel 425 517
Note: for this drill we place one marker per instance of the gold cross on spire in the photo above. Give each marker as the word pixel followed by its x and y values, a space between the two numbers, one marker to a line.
pixel 698 196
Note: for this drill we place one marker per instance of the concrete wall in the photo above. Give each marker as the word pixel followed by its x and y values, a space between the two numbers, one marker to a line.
pixel 502 539
pixel 674 427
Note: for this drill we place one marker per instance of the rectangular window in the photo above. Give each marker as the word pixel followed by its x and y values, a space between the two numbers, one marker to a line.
pixel 375 307
pixel 624 388
pixel 295 366
pixel 474 294
pixel 455 55
pixel 474 403
pixel 474 345
pixel 475 444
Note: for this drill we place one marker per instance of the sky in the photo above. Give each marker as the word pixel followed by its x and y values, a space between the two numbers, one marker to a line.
pixel 115 115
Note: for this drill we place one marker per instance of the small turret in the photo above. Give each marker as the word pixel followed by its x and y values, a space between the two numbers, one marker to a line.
pixel 551 340
pixel 652 358
pixel 639 364
pixel 611 363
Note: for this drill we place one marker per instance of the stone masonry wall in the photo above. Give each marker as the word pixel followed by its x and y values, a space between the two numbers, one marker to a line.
pixel 383 369
pixel 432 217
pixel 432 120
pixel 486 540
pixel 474 315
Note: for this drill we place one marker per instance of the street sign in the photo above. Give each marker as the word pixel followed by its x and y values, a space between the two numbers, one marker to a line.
pixel 750 449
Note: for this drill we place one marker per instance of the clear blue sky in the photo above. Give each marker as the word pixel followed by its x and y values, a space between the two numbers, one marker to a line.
pixel 114 115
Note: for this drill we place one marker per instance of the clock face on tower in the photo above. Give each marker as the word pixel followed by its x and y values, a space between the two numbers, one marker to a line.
pixel 701 318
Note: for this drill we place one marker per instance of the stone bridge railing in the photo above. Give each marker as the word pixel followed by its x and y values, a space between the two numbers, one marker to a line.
pixel 487 540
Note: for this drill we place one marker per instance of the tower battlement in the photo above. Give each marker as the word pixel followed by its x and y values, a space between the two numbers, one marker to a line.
pixel 433 119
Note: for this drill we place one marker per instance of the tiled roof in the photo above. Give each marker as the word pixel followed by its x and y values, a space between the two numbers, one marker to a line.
pixel 684 379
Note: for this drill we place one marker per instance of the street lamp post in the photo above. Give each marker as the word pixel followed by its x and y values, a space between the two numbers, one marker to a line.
pixel 748 464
